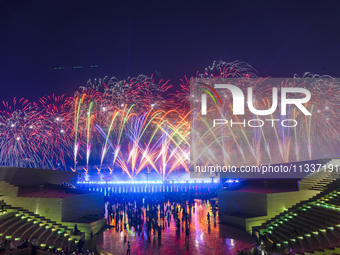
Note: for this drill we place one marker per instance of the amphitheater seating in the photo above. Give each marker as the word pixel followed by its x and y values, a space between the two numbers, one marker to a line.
pixel 17 224
pixel 309 227
pixel 319 180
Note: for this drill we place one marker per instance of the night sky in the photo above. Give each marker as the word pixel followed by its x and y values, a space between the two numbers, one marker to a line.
pixel 169 39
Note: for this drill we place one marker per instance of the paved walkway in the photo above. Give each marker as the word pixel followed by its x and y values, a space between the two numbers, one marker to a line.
pixel 204 238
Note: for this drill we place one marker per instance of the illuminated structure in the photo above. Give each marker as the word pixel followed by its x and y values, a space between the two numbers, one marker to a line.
pixel 39 192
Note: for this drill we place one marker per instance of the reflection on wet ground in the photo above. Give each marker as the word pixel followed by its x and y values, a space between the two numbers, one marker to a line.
pixel 201 236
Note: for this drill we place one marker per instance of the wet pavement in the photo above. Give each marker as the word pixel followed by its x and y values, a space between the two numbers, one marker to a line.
pixel 204 237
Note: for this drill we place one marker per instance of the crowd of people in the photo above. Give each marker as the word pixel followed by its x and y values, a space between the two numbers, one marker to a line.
pixel 154 214
pixel 150 215
pixel 6 244
pixel 153 217
pixel 68 251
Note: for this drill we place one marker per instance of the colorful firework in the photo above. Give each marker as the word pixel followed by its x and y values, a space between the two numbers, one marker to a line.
pixel 137 124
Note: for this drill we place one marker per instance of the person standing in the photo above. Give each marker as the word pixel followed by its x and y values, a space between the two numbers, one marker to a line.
pixel 128 248
pixel 34 245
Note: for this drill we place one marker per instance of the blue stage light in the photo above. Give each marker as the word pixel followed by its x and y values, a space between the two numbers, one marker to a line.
pixel 151 182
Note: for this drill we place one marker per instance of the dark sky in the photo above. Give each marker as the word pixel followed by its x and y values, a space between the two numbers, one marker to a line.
pixel 171 38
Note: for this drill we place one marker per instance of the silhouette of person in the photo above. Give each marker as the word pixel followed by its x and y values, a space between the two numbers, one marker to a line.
pixel 128 248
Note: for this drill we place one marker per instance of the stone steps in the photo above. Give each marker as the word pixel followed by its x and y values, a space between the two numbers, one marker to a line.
pixel 17 224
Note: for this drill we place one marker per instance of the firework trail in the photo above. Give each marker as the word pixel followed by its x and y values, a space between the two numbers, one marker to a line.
pixel 138 124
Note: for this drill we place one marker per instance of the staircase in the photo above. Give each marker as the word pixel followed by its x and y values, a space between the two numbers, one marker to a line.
pixel 17 224
pixel 319 180
pixel 309 227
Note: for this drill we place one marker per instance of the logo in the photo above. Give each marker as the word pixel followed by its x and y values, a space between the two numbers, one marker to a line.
pixel 245 121
pixel 204 97
pixel 238 99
